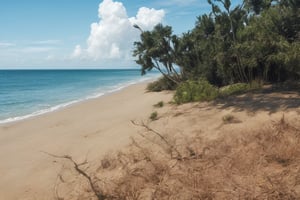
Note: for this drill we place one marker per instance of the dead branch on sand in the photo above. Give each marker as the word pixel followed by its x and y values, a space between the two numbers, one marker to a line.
pixel 96 191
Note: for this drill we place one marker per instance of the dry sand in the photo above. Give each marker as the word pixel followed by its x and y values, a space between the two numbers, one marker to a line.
pixel 93 128
pixel 88 129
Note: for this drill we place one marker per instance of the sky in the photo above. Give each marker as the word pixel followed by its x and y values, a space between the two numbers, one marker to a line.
pixel 64 34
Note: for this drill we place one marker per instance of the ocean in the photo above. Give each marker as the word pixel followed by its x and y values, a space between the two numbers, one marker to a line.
pixel 27 93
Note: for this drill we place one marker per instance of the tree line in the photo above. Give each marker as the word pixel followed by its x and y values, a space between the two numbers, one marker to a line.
pixel 256 40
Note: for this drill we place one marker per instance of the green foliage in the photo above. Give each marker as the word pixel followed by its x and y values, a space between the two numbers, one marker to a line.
pixel 191 91
pixel 259 39
pixel 157 50
pixel 161 84
pixel 239 88
pixel 202 90
pixel 154 116
pixel 257 6
pixel 159 104
pixel 244 46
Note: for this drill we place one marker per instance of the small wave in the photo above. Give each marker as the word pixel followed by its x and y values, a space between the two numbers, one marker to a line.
pixel 37 113
pixel 112 89
pixel 121 86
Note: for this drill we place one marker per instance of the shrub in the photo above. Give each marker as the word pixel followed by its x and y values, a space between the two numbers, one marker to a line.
pixel 236 88
pixel 161 84
pixel 154 116
pixel 256 84
pixel 159 104
pixel 239 88
pixel 191 91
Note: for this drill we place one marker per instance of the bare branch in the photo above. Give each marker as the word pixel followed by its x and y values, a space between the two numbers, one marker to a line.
pixel 97 193
pixel 172 147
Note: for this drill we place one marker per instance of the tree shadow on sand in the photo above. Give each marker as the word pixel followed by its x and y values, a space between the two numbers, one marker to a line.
pixel 269 99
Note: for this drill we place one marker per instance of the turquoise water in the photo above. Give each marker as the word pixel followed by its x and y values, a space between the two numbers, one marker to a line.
pixel 27 93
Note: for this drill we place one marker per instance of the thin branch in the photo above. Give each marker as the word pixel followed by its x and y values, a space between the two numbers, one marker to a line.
pixel 168 76
pixel 57 197
pixel 146 154
pixel 179 157
pixel 97 193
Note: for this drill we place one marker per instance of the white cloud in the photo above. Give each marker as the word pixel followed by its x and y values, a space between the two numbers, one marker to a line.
pixel 47 42
pixel 77 51
pixel 36 49
pixel 6 44
pixel 113 36
pixel 147 18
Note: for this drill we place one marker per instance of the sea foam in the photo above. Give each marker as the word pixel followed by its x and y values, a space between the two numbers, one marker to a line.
pixel 94 92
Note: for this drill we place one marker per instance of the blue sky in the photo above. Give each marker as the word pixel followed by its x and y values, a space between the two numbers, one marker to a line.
pixel 59 33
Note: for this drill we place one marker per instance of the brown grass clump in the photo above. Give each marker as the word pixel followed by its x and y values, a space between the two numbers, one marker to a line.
pixel 259 165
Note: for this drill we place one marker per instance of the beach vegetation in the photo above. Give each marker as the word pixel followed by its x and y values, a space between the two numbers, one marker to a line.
pixel 202 90
pixel 156 50
pixel 161 84
pixel 160 104
pixel 239 88
pixel 154 116
pixel 252 41
pixel 191 91
pixel 228 118
pixel 236 88
pixel 159 165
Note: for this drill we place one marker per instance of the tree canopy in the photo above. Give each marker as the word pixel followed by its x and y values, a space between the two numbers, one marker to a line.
pixel 259 39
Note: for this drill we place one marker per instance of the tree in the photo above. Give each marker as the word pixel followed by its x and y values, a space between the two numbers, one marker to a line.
pixel 269 44
pixel 156 50
pixel 259 39
pixel 228 23
pixel 257 6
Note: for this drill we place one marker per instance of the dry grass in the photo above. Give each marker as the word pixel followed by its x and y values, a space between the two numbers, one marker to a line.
pixel 257 165
pixel 230 119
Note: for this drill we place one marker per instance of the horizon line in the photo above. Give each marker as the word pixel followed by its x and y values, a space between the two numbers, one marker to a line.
pixel 69 68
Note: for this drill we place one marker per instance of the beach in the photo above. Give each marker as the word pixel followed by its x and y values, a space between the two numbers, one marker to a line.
pixel 81 119
pixel 93 129
pixel 86 130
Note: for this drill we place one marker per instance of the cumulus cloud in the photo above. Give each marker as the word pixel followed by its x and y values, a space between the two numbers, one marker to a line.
pixel 147 18
pixel 113 36
pixel 77 51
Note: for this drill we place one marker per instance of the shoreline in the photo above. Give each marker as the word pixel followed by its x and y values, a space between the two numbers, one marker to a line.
pixel 87 130
pixel 62 106
pixel 95 129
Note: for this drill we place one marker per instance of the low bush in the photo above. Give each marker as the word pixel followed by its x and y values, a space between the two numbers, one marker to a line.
pixel 191 91
pixel 161 84
pixel 202 90
pixel 239 88
pixel 154 116
pixel 159 104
